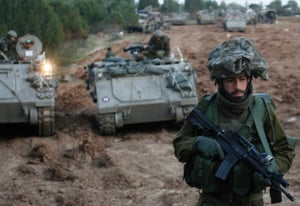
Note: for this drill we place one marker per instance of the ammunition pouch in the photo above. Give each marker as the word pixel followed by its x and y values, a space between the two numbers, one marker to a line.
pixel 200 173
pixel 242 178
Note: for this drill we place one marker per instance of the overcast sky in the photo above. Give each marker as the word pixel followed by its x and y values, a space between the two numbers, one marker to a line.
pixel 243 2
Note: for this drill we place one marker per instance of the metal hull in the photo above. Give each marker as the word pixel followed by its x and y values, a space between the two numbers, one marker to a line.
pixel 21 100
pixel 235 25
pixel 146 99
pixel 141 92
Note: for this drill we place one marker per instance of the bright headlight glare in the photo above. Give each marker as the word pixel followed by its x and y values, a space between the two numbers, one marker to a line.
pixel 100 75
pixel 47 69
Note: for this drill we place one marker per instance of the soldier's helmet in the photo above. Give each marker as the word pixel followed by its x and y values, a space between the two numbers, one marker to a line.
pixel 236 57
pixel 158 33
pixel 12 33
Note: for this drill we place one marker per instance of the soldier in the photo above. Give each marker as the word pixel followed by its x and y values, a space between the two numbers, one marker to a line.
pixel 158 46
pixel 8 44
pixel 233 65
pixel 109 53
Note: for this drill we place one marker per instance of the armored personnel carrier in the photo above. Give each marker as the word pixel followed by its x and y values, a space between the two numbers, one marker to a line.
pixel 140 90
pixel 28 87
pixel 206 17
pixel 234 20
pixel 268 16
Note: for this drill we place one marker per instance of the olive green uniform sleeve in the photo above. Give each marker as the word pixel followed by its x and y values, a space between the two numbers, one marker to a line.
pixel 167 46
pixel 184 143
pixel 151 41
pixel 185 140
pixel 282 152
pixel 12 51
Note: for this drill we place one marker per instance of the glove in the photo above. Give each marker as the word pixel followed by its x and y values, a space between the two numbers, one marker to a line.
pixel 259 182
pixel 209 147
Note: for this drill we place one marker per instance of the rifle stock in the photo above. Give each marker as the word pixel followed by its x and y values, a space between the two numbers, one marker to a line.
pixel 237 148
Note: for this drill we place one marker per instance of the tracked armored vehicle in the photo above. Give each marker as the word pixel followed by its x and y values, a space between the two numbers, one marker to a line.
pixel 234 21
pixel 28 87
pixel 268 16
pixel 140 90
pixel 206 17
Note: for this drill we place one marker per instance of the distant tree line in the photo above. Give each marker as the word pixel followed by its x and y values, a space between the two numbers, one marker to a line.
pixel 58 21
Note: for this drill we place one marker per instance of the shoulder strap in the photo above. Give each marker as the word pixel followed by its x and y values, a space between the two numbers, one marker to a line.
pixel 203 104
pixel 258 117
pixel 207 106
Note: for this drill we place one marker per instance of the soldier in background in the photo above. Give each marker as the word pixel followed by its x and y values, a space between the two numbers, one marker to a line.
pixel 233 65
pixel 8 45
pixel 158 46
pixel 109 53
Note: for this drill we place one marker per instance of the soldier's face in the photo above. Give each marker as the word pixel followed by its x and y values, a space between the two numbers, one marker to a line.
pixel 236 87
pixel 12 38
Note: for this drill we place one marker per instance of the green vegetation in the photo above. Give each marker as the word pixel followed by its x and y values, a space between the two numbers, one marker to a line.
pixel 56 22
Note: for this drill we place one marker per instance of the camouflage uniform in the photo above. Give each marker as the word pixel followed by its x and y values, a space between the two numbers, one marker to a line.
pixel 8 45
pixel 239 189
pixel 109 53
pixel 158 45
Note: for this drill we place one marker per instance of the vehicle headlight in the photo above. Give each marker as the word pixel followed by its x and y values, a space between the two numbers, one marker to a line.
pixel 46 69
pixel 100 75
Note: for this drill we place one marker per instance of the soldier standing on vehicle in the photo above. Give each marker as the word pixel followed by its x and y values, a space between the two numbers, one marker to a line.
pixel 233 65
pixel 158 46
pixel 8 44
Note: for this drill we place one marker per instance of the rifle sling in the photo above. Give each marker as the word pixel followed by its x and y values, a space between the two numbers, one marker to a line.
pixel 257 118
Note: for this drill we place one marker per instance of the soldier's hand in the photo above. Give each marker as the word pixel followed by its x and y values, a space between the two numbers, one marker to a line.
pixel 259 182
pixel 209 147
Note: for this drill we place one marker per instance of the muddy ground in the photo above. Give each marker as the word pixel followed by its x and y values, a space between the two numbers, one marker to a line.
pixel 79 167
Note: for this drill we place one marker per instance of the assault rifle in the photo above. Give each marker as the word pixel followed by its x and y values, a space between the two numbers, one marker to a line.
pixel 136 47
pixel 237 148
pixel 136 50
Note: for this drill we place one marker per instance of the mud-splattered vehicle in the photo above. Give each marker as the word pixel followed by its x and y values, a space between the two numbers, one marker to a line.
pixel 206 17
pixel 27 87
pixel 131 91
pixel 179 19
pixel 267 16
pixel 234 20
